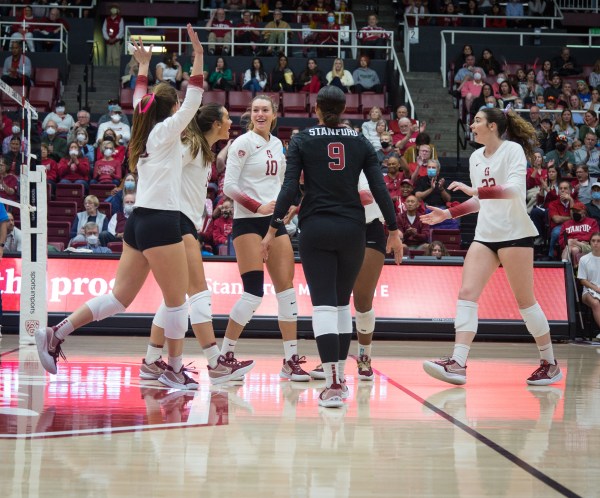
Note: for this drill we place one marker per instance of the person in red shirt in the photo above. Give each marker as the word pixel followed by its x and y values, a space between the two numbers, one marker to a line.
pixel 578 230
pixel 325 38
pixel 372 35
pixel 247 32
pixel 393 180
pixel 220 32
pixel 9 183
pixel 559 211
pixel 416 233
pixel 51 33
pixel 5 125
pixel 75 168
pixel 406 135
pixel 23 30
pixel 109 168
pixel 51 168
pixel 419 167
pixel 222 226
pixel 113 32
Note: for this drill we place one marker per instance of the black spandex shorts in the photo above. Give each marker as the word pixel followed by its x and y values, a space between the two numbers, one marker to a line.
pixel 496 246
pixel 148 228
pixel 188 227
pixel 259 226
pixel 376 236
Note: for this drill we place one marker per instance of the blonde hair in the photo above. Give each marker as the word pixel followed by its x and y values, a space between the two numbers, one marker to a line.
pixel 334 72
pixel 274 106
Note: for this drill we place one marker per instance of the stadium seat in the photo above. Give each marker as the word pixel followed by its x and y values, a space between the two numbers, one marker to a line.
pixel 238 102
pixel 106 209
pixel 370 100
pixel 217 96
pixel 70 192
pixel 101 190
pixel 59 231
pixel 115 246
pixel 7 101
pixel 449 237
pixel 48 76
pixel 42 97
pixel 62 210
pixel 294 105
pixel 126 99
pixel 60 246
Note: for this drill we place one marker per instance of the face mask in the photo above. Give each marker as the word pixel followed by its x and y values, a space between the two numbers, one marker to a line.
pixel 519 105
pixel 541 106
pixel 92 240
pixel 128 209
pixel 489 105
pixel 577 216
pixel 108 152
pixel 129 185
pixel 385 145
pixel 116 118
pixel 50 132
pixel 110 107
pixel 500 80
pixel 60 109
pixel 81 137
pixel 596 196
pixel 330 19
pixel 16 130
pixel 114 11
pixel 431 172
pixel 561 147
pixel 73 152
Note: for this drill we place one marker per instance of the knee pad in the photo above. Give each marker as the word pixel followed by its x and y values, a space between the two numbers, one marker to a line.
pixel 176 321
pixel 466 316
pixel 104 306
pixel 244 308
pixel 200 307
pixel 325 320
pixel 535 320
pixel 287 306
pixel 253 282
pixel 365 322
pixel 344 319
pixel 159 317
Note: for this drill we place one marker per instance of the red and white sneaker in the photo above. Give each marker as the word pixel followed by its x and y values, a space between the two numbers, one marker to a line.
pixel 48 355
pixel 365 372
pixel 546 374
pixel 447 370
pixel 152 371
pixel 331 397
pixel 178 380
pixel 228 369
pixel 318 373
pixel 293 371
pixel 345 390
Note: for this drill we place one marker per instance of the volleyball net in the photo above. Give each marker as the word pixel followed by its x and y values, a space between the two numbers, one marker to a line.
pixel 33 205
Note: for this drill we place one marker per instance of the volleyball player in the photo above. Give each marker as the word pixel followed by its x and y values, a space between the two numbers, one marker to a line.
pixel 332 222
pixel 210 124
pixel 255 168
pixel 152 238
pixel 504 235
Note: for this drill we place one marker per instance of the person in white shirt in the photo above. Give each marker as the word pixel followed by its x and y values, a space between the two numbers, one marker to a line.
pixel 152 238
pixel 369 128
pixel 504 235
pixel 122 130
pixel 589 276
pixel 13 236
pixel 253 177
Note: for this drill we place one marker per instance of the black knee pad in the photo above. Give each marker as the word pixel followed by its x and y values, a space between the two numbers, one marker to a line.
pixel 253 282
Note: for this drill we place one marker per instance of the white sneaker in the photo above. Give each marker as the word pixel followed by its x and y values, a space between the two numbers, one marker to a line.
pixel 48 357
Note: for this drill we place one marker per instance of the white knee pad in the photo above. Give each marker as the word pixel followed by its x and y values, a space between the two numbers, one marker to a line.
pixel 287 306
pixel 244 308
pixel 159 317
pixel 466 316
pixel 200 307
pixel 535 320
pixel 344 319
pixel 176 321
pixel 104 306
pixel 365 322
pixel 325 320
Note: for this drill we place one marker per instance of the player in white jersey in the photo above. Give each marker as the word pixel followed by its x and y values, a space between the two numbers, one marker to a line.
pixel 210 124
pixel 255 170
pixel 504 235
pixel 152 238
pixel 588 274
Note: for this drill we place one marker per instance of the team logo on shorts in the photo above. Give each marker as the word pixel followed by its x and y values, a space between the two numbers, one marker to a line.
pixel 31 326
pixel 241 153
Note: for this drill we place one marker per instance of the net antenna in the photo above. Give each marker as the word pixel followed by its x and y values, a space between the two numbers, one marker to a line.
pixel 34 212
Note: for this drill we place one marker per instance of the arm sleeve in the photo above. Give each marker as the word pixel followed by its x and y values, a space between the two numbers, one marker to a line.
pixel 464 208
pixel 378 188
pixel 366 197
pixel 141 88
pixel 290 187
pixel 236 158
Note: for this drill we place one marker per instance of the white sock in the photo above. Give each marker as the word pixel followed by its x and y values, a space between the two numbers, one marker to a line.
pixel 330 371
pixel 153 354
pixel 212 354
pixel 460 354
pixel 176 363
pixel 63 329
pixel 547 353
pixel 341 368
pixel 364 350
pixel 290 348
pixel 227 346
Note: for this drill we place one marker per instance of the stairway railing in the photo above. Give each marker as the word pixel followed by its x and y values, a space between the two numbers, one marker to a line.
pixel 462 139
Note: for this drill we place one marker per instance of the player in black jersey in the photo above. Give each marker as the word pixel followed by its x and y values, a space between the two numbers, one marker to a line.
pixel 332 222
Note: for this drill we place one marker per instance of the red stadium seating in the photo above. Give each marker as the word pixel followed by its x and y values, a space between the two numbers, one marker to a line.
pixel 449 237
pixel 294 105
pixel 48 76
pixel 101 190
pixel 42 97
pixel 59 231
pixel 115 246
pixel 218 96
pixel 62 211
pixel 126 99
pixel 238 102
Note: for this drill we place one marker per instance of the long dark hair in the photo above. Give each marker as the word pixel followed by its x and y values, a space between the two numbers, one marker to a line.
pixel 195 133
pixel 331 102
pixel 156 107
pixel 516 128
pixel 261 69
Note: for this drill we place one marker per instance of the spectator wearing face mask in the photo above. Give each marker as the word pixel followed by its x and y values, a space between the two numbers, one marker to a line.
pixel 563 158
pixel 117 125
pixel 52 173
pixel 74 168
pixel 112 103
pixel 108 169
pixel 222 226
pixel 16 133
pixel 9 183
pixel 57 147
pixel 64 122
pixel 91 213
pixel 116 226
pixel 593 207
pixel 431 189
pixel 80 136
pixel 578 230
pixel 120 150
pixel 92 239
pixel 117 195
pixel 83 122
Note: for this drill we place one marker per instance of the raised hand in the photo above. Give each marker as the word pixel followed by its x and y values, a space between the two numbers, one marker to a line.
pixel 196 45
pixel 140 53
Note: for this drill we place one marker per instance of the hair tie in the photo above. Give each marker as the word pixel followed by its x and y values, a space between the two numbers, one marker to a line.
pixel 148 104
pixel 507 108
